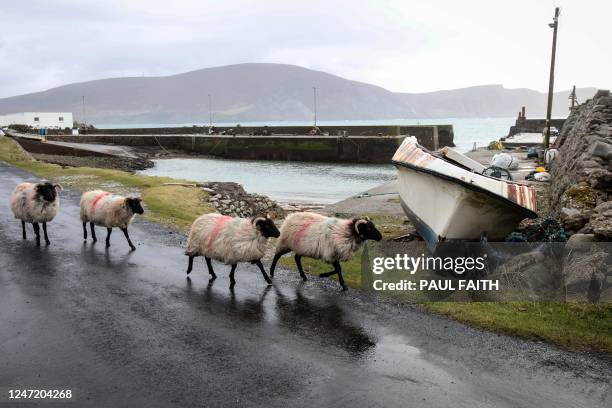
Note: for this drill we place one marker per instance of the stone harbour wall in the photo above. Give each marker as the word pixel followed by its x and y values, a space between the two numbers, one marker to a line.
pixel 581 185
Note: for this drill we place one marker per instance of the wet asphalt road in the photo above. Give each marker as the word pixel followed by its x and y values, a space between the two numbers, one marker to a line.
pixel 124 328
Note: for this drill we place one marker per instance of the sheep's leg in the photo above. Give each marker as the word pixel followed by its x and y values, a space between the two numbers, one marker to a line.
pixel 210 268
pixel 37 232
pixel 85 231
pixel 340 278
pixel 232 280
pixel 45 232
pixel 337 270
pixel 108 234
pixel 263 271
pixel 93 232
pixel 276 258
pixel 298 262
pixel 23 231
pixel 190 266
pixel 127 236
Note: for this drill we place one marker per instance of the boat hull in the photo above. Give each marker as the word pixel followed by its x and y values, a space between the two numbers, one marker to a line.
pixel 444 210
pixel 448 202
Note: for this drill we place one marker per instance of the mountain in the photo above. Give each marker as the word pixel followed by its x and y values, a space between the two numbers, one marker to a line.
pixel 262 92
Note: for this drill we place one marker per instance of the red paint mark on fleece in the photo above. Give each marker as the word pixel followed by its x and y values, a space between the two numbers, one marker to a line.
pixel 300 233
pixel 220 223
pixel 98 198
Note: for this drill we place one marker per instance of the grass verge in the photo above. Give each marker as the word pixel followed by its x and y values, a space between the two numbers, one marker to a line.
pixel 171 205
pixel 572 326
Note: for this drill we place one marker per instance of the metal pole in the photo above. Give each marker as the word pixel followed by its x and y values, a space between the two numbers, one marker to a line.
pixel 84 121
pixel 209 111
pixel 551 82
pixel 314 90
pixel 573 97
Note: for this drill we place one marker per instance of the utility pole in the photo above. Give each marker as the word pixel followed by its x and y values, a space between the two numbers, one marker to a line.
pixel 209 111
pixel 83 115
pixel 551 83
pixel 314 91
pixel 573 97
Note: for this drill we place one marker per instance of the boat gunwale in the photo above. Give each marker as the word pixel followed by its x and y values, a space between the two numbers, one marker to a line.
pixel 529 213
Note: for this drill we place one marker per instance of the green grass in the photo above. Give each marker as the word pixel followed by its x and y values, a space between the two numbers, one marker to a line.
pixel 173 206
pixel 163 203
pixel 573 326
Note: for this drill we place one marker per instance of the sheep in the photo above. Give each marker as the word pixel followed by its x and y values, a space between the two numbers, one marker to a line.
pixel 108 210
pixel 333 240
pixel 230 240
pixel 36 203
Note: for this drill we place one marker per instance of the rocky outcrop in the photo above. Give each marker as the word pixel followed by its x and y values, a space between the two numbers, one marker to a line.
pixel 581 185
pixel 231 199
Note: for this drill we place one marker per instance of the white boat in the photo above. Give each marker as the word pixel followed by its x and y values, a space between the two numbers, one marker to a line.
pixel 528 139
pixel 447 202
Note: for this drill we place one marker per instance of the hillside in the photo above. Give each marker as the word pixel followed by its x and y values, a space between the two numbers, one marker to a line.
pixel 260 92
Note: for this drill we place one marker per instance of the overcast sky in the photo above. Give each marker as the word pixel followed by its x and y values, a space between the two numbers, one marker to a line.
pixel 404 45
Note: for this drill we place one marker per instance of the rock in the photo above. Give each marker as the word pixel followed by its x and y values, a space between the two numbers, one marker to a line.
pixel 573 219
pixel 601 221
pixel 580 195
pixel 584 273
pixel 603 207
pixel 579 241
pixel 208 190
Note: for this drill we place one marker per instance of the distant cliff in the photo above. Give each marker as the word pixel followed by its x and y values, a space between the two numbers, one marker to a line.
pixel 262 92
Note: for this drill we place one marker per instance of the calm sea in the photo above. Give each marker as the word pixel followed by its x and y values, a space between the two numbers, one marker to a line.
pixel 314 182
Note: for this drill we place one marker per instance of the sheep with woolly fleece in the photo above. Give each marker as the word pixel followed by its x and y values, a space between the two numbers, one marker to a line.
pixel 36 203
pixel 332 240
pixel 230 240
pixel 108 210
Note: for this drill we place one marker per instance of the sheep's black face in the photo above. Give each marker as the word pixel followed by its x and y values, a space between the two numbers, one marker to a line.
pixel 47 191
pixel 134 204
pixel 267 228
pixel 367 230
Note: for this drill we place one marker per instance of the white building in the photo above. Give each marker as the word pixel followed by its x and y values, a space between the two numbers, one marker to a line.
pixel 38 119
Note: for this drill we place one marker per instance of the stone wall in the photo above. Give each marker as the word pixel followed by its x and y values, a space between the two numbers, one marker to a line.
pixel 581 185
pixel 358 149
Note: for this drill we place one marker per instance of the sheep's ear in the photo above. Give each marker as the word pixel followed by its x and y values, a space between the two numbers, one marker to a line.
pixel 58 187
pixel 358 222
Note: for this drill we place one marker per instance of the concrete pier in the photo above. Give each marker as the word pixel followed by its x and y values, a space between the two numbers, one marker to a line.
pixel 344 144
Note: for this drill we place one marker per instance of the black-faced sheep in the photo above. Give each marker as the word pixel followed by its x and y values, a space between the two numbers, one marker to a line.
pixel 35 203
pixel 230 240
pixel 333 240
pixel 108 210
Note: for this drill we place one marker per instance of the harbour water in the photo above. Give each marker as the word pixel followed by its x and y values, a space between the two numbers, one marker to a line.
pixel 295 182
pixel 314 182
